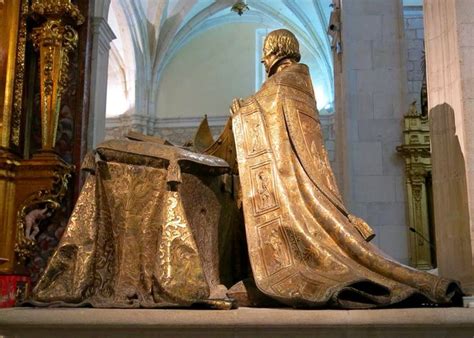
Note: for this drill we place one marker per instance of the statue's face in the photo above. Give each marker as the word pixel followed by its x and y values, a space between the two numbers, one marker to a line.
pixel 268 59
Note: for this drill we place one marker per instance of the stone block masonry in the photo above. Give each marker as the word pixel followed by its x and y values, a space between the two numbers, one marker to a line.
pixel 415 45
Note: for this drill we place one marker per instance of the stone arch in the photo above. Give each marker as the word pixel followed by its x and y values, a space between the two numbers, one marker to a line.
pixel 157 31
pixel 317 43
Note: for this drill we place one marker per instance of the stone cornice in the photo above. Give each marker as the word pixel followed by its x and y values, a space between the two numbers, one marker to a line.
pixel 180 122
pixel 170 122
pixel 102 30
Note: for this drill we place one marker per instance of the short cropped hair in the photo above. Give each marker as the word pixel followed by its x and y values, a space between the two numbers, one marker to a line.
pixel 283 44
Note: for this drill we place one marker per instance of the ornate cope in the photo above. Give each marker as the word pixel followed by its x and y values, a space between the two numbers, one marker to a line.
pixel 304 247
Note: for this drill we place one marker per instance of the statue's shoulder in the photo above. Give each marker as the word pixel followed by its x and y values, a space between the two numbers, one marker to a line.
pixel 292 71
pixel 297 77
pixel 299 68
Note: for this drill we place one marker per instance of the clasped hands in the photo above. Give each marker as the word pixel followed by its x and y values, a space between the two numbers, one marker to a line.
pixel 235 106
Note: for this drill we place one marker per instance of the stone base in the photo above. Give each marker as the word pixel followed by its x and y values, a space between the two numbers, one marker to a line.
pixel 243 322
pixel 468 301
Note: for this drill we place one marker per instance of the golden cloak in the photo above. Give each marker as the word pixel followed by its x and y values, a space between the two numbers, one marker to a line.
pixel 304 247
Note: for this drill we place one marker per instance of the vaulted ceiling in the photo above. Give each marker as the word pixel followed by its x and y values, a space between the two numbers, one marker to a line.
pixel 150 33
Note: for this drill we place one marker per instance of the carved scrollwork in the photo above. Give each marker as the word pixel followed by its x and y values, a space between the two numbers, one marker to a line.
pixel 54 40
pixel 34 209
pixel 57 8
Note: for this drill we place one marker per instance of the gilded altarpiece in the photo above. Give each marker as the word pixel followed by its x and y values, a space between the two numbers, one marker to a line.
pixel 44 66
pixel 417 156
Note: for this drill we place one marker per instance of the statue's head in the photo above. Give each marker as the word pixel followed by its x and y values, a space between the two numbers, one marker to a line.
pixel 279 44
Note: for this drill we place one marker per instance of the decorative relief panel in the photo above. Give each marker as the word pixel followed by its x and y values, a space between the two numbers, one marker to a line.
pixel 274 246
pixel 254 134
pixel 263 186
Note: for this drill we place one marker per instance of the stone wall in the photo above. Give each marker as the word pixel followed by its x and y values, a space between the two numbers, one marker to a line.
pixel 370 103
pixel 414 38
pixel 175 130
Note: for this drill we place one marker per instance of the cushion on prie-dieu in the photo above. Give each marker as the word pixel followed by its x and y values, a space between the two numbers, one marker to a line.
pixel 159 156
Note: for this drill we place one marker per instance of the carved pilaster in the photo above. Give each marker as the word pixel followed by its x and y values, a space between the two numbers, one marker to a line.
pixel 19 78
pixel 416 152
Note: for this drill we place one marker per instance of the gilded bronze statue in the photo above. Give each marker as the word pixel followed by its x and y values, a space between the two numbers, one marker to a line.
pixel 137 236
pixel 305 248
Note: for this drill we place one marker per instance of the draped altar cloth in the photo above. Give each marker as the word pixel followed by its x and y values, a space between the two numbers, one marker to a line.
pixel 305 248
pixel 132 241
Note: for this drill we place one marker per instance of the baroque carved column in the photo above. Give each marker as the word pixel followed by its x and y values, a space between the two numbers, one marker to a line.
pixel 54 40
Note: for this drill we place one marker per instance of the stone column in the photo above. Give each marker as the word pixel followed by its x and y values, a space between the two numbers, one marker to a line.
pixel 102 36
pixel 449 43
pixel 370 102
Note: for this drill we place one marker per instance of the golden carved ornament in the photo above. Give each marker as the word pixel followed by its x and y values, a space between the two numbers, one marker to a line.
pixel 57 9
pixel 416 153
pixel 48 200
pixel 54 40
pixel 12 27
pixel 19 76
